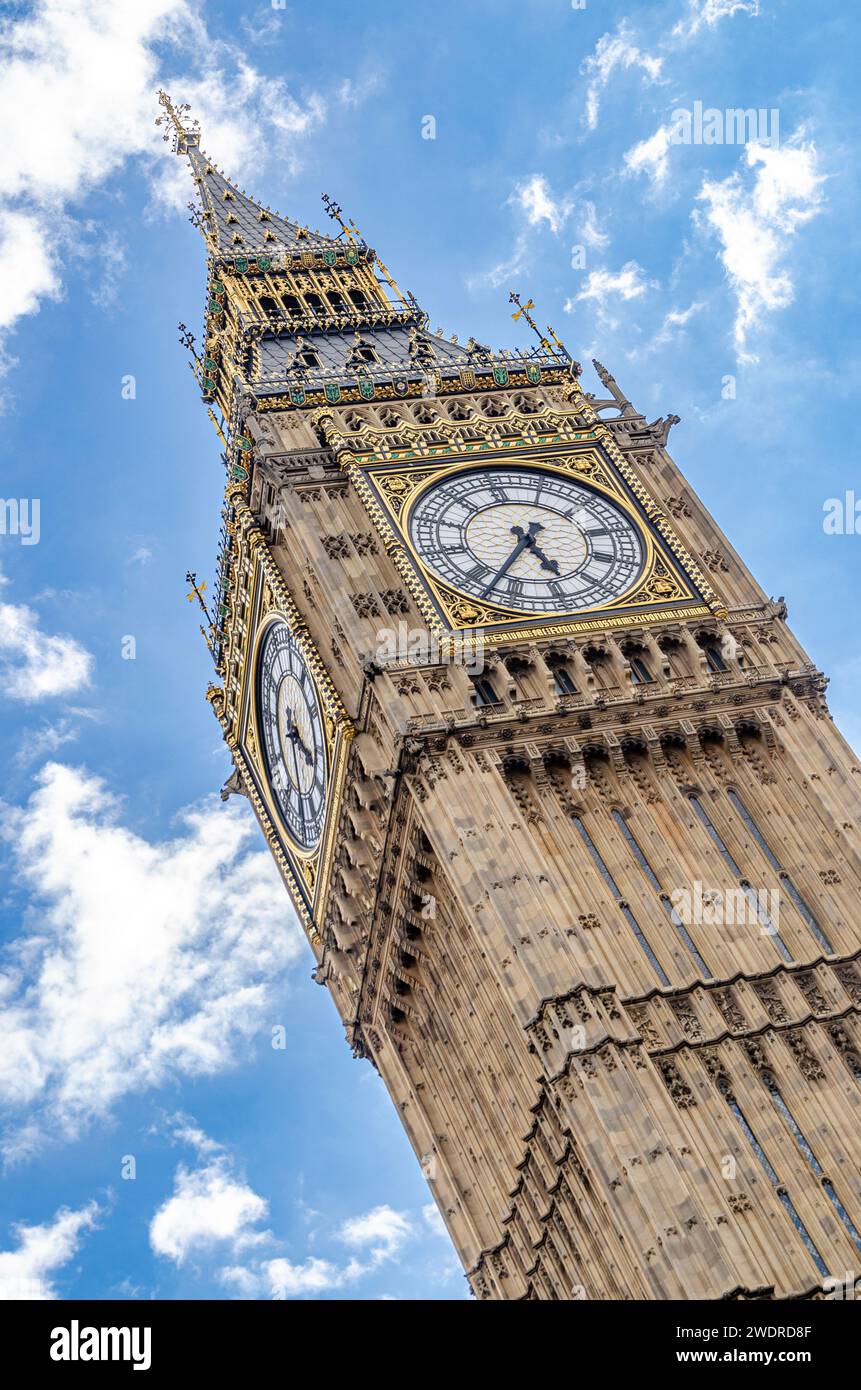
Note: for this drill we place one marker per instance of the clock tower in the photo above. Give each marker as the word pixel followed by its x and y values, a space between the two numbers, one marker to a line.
pixel 552 785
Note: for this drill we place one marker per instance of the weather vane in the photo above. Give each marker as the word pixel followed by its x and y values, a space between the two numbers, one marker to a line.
pixel 188 340
pixel 197 592
pixel 336 212
pixel 523 312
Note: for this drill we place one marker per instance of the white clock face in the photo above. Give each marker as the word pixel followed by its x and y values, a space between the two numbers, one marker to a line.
pixel 527 540
pixel 291 735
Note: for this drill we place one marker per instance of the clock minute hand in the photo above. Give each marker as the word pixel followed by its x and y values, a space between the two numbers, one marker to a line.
pixel 524 538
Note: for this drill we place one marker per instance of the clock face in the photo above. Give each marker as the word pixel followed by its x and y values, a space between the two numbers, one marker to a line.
pixel 526 539
pixel 291 735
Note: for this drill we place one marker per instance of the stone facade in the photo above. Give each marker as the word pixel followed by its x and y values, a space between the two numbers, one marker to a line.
pixel 595 924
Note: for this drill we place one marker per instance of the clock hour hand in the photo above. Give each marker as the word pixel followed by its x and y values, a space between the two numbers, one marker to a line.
pixel 551 565
pixel 524 539
pixel 296 737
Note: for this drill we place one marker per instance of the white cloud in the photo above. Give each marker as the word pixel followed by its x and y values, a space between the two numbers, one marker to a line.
pixel 28 266
pixel 88 70
pixel 36 744
pixel 755 220
pixel 382 1233
pixel 675 320
pixel 314 1276
pixel 432 1219
pixel 711 12
pixel 25 1273
pixel 35 665
pixel 614 51
pixel 383 1229
pixel 142 556
pixel 591 232
pixel 535 199
pixel 601 285
pixel 210 1207
pixel 651 156
pixel 503 271
pixel 214 1215
pixel 112 267
pixel 143 962
pixel 353 93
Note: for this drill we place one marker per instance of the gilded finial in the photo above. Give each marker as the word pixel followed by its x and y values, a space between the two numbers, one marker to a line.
pixel 336 212
pixel 197 592
pixel 182 130
pixel 523 312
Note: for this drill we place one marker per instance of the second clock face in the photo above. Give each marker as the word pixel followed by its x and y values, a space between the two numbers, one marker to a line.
pixel 527 539
pixel 291 735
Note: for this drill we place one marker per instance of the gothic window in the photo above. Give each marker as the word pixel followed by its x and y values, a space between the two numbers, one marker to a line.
pixel 752 896
pixel 268 304
pixel 674 650
pixel 810 1157
pixel 483 692
pixel 367 353
pixel 599 660
pixel 655 883
pixel 782 1194
pixel 785 880
pixel 336 299
pixel 640 674
pixel 713 655
pixel 292 304
pixel 623 906
pixel 310 359
pixel 315 303
pixel 358 299
pixel 563 682
pixel 562 678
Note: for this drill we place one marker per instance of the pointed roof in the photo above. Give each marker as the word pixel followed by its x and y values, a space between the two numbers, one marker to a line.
pixel 233 223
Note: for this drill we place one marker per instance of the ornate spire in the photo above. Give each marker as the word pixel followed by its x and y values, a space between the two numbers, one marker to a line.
pixel 613 387
pixel 233 224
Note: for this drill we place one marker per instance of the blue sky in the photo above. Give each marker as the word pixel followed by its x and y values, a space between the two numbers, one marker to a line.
pixel 149 950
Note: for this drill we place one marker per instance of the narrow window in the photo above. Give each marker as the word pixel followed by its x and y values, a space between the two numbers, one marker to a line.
pixel 714 660
pixel 812 1161
pixel 785 880
pixel 483 691
pixel 640 674
pixel 655 883
pixel 782 1194
pixel 563 682
pixel 620 901
pixel 750 893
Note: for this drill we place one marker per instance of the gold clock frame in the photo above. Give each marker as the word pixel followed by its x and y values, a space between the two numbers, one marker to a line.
pixel 307 873
pixel 669 588
pixel 253 734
